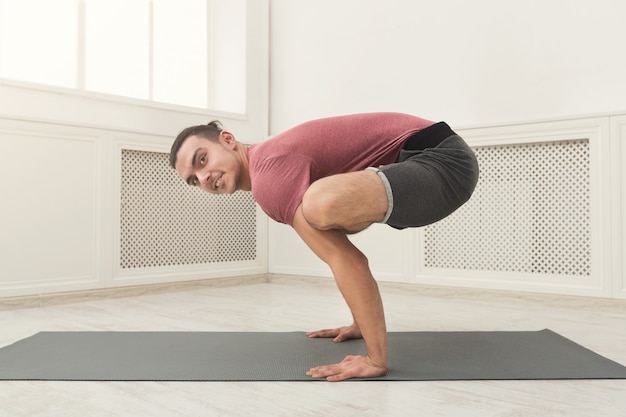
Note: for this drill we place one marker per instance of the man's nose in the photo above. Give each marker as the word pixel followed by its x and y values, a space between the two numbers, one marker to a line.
pixel 203 178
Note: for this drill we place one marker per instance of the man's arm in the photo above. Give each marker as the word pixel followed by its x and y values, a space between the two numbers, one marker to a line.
pixel 358 287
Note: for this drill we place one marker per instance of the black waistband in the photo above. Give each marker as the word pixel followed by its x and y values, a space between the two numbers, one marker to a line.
pixel 429 137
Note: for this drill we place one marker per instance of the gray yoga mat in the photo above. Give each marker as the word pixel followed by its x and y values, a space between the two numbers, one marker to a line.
pixel 254 356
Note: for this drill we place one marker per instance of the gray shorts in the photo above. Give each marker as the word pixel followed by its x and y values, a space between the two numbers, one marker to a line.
pixel 435 174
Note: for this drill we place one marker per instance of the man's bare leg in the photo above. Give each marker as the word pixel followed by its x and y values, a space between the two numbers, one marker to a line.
pixel 336 205
pixel 349 202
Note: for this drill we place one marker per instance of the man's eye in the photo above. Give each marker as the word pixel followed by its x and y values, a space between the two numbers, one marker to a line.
pixel 194 181
pixel 202 159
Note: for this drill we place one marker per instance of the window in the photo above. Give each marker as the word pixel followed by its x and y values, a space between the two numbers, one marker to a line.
pixel 182 52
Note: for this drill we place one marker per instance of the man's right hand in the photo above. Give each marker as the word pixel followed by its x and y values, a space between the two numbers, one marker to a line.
pixel 339 334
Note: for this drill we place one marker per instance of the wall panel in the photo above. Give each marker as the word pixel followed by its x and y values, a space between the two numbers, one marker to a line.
pixel 87 208
pixel 49 185
pixel 537 218
pixel 162 222
pixel 167 231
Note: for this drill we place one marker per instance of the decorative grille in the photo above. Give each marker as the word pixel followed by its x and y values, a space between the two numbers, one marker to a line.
pixel 164 222
pixel 530 213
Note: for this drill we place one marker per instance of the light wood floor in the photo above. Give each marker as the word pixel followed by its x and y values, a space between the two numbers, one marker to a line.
pixel 292 304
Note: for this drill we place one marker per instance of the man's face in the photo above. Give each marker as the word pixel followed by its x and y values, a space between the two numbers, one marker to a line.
pixel 212 166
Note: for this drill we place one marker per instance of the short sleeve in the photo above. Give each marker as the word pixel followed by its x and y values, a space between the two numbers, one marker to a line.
pixel 279 184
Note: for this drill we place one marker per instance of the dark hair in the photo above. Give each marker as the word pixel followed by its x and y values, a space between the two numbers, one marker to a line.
pixel 210 131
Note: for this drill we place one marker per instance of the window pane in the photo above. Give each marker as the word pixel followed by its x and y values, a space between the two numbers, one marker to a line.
pixel 187 52
pixel 229 54
pixel 39 41
pixel 180 52
pixel 117 44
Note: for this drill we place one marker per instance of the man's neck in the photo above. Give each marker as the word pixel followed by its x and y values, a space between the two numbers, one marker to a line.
pixel 245 183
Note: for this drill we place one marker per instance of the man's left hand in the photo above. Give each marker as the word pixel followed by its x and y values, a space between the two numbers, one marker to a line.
pixel 351 367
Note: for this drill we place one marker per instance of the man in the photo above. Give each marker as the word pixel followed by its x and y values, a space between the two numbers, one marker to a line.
pixel 331 177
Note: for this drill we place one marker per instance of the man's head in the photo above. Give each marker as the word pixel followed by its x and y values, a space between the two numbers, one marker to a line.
pixel 210 158
pixel 210 131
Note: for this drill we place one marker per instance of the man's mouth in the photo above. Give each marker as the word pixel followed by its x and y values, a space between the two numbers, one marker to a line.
pixel 217 182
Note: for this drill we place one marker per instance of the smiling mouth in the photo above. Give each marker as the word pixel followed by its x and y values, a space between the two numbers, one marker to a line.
pixel 217 182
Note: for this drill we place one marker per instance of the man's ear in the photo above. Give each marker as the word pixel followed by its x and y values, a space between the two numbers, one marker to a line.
pixel 229 139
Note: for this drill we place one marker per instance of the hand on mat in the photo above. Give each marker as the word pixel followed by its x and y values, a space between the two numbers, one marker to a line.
pixel 350 367
pixel 340 334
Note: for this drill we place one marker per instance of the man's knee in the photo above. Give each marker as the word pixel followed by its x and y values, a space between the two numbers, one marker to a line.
pixel 317 207
pixel 349 202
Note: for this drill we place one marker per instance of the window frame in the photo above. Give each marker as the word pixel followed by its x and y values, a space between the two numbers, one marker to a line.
pixel 77 106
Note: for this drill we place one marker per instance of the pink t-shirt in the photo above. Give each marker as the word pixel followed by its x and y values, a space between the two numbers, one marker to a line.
pixel 283 167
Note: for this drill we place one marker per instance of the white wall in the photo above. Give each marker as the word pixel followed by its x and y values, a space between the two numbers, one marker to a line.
pixel 480 62
pixel 474 64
